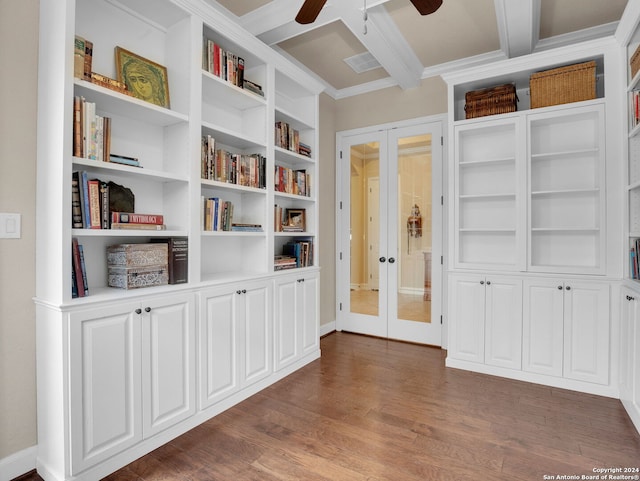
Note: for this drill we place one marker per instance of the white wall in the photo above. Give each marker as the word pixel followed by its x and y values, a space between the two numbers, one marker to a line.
pixel 18 82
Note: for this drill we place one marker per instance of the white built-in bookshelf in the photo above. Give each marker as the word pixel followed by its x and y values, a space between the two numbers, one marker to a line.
pixel 534 218
pixel 628 35
pixel 99 353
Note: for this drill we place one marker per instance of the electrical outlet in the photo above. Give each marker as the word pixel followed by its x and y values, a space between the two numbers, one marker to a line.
pixel 10 226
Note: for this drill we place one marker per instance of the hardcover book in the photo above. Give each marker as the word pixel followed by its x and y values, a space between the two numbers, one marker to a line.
pixel 178 258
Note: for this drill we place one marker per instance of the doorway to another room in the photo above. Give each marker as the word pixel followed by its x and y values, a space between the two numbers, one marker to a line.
pixel 390 231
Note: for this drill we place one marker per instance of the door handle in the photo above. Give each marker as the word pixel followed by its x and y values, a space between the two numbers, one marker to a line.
pixel 391 260
pixel 382 259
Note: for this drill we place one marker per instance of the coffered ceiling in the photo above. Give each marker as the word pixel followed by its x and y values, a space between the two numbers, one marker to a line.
pixel 406 47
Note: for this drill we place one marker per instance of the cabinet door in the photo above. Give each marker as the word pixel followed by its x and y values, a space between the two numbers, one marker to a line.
pixel 286 327
pixel 257 331
pixel 503 324
pixel 218 327
pixel 168 347
pixel 586 332
pixel 466 318
pixel 308 307
pixel 105 394
pixel 543 326
pixel 628 317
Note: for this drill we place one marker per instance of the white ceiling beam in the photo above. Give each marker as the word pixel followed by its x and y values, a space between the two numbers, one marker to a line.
pixel 289 28
pixel 270 16
pixel 385 42
pixel 518 26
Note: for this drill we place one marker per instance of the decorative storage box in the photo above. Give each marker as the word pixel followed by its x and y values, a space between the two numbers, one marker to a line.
pixel 635 62
pixel 491 101
pixel 573 83
pixel 136 255
pixel 132 266
pixel 135 277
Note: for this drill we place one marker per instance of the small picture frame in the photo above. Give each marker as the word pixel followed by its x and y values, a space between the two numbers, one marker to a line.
pixel 145 79
pixel 296 220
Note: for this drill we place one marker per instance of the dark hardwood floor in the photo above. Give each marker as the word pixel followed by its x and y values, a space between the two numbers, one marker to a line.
pixel 372 409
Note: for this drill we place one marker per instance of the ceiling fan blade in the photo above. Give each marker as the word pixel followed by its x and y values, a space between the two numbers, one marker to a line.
pixel 309 11
pixel 425 7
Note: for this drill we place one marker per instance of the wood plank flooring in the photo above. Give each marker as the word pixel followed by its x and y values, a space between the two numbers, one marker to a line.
pixel 372 409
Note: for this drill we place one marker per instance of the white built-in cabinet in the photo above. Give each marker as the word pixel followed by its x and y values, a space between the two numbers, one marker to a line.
pixel 566 329
pixel 132 374
pixel 533 209
pixel 296 332
pixel 629 355
pixel 235 335
pixel 485 328
pixel 121 372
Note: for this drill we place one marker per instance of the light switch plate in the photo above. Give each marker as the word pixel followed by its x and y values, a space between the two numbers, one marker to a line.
pixel 10 227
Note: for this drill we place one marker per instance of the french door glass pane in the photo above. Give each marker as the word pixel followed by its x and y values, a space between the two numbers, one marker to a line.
pixel 365 227
pixel 414 228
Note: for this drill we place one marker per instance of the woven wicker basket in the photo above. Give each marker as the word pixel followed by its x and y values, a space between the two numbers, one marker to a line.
pixel 573 83
pixel 490 101
pixel 635 62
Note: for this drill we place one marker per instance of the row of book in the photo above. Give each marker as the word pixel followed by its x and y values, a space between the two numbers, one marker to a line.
pixel 298 253
pixel 290 181
pixel 228 66
pixel 286 137
pixel 91 132
pixel 222 63
pixel 92 135
pixel 96 204
pixel 248 170
pixel 217 214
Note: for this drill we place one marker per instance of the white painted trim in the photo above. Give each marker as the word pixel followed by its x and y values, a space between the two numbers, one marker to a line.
pixel 18 463
pixel 327 328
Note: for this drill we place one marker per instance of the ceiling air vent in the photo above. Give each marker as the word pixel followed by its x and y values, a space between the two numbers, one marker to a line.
pixel 362 62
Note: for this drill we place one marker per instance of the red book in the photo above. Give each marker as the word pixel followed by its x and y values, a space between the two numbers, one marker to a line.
pixel 132 218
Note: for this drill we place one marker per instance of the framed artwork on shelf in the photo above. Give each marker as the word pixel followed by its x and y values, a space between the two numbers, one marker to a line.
pixel 147 80
pixel 295 220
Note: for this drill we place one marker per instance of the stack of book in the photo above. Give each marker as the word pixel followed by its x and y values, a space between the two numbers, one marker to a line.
pixel 133 221
pixel 284 262
pixel 253 87
pixel 304 149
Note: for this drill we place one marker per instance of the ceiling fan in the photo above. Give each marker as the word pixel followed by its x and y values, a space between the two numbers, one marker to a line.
pixel 311 8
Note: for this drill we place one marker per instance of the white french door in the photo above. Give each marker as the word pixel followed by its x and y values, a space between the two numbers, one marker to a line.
pixel 389 233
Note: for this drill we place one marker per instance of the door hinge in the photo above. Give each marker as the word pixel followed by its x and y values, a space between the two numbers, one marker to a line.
pixel 341 154
pixel 341 256
pixel 441 260
pixel 442 200
pixel 441 140
pixel 440 319
pixel 341 306
pixel 340 205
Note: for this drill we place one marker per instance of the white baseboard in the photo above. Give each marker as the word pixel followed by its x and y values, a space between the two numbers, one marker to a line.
pixel 18 463
pixel 325 329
